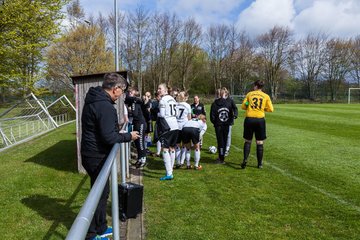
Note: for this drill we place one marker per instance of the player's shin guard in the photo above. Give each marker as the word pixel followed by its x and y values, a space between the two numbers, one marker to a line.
pixel 177 154
pixel 183 155
pixel 259 154
pixel 197 157
pixel 172 157
pixel 247 147
pixel 167 162
pixel 158 147
pixel 188 155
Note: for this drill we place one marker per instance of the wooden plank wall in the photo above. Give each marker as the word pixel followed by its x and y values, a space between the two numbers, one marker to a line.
pixel 82 85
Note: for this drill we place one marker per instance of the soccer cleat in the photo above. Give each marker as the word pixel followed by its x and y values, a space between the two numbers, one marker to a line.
pixel 218 161
pixel 141 164
pixel 243 164
pixel 98 237
pixel 108 232
pixel 177 166
pixel 138 164
pixel 260 166
pixel 189 167
pixel 227 153
pixel 167 177
pixel 198 167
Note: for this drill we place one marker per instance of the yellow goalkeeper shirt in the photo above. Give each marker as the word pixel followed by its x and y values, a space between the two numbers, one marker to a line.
pixel 256 103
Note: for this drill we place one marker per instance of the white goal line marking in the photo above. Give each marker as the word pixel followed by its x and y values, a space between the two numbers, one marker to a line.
pixel 287 174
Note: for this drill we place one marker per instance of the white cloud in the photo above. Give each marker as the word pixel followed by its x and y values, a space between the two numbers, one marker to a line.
pixel 302 4
pixel 338 18
pixel 262 15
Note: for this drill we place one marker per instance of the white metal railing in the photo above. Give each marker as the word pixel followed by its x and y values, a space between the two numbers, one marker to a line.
pixel 82 222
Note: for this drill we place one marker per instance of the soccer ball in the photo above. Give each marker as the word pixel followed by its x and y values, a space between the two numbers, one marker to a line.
pixel 212 149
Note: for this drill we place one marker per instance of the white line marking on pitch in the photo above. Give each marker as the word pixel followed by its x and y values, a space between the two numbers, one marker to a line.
pixel 287 174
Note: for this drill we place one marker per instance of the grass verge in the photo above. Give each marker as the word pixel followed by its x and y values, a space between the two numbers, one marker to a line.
pixel 41 191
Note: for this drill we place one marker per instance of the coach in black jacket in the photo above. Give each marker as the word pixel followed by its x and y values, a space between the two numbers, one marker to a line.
pixel 137 111
pixel 197 108
pixel 100 131
pixel 222 116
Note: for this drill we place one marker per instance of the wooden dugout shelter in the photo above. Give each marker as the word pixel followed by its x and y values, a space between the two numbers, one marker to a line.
pixel 82 85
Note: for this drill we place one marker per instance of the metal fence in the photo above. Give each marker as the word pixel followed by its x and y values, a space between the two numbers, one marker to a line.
pixel 82 222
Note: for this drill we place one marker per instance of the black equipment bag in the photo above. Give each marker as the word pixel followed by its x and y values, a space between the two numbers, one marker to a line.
pixel 130 200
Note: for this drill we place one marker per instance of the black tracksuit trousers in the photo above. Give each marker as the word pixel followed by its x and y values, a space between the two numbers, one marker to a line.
pixel 98 224
pixel 222 132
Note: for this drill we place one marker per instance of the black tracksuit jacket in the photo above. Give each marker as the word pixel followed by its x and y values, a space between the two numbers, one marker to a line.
pixel 223 111
pixel 100 126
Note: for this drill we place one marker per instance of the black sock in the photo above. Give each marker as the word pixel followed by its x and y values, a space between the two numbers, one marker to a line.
pixel 247 146
pixel 259 153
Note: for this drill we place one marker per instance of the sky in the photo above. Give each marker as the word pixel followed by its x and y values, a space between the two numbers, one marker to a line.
pixel 336 18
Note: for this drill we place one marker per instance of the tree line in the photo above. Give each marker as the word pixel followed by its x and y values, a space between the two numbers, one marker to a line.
pixel 162 47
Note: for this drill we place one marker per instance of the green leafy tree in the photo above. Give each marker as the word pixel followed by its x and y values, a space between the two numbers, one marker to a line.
pixel 79 52
pixel 26 29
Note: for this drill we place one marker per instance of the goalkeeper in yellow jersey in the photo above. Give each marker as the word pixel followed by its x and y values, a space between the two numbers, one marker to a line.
pixel 256 103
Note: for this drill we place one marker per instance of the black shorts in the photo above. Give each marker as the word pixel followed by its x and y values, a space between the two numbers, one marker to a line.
pixel 254 125
pixel 190 134
pixel 169 139
pixel 179 138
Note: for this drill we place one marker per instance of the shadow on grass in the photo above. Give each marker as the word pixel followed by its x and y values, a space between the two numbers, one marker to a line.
pixel 233 165
pixel 57 210
pixel 156 164
pixel 61 156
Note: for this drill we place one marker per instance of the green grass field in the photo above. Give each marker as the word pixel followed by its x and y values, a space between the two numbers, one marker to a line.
pixel 308 189
pixel 41 191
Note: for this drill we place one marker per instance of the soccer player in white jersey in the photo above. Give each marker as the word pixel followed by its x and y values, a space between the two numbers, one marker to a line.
pixel 183 114
pixel 167 127
pixel 192 132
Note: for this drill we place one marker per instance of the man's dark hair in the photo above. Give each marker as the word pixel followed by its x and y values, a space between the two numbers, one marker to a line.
pixel 112 80
pixel 259 84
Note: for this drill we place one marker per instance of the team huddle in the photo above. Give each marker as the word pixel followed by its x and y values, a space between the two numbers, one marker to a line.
pixel 179 127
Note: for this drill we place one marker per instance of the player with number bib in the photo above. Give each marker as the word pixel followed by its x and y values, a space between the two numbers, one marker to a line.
pixel 192 132
pixel 167 128
pixel 256 103
pixel 183 115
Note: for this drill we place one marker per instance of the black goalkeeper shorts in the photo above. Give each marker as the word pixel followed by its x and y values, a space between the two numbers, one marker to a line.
pixel 255 126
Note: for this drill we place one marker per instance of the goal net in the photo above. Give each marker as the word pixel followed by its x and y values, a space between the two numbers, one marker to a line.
pixel 354 95
pixel 32 117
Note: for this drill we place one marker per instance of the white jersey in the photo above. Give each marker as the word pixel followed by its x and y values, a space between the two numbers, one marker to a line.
pixel 167 110
pixel 196 123
pixel 183 112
